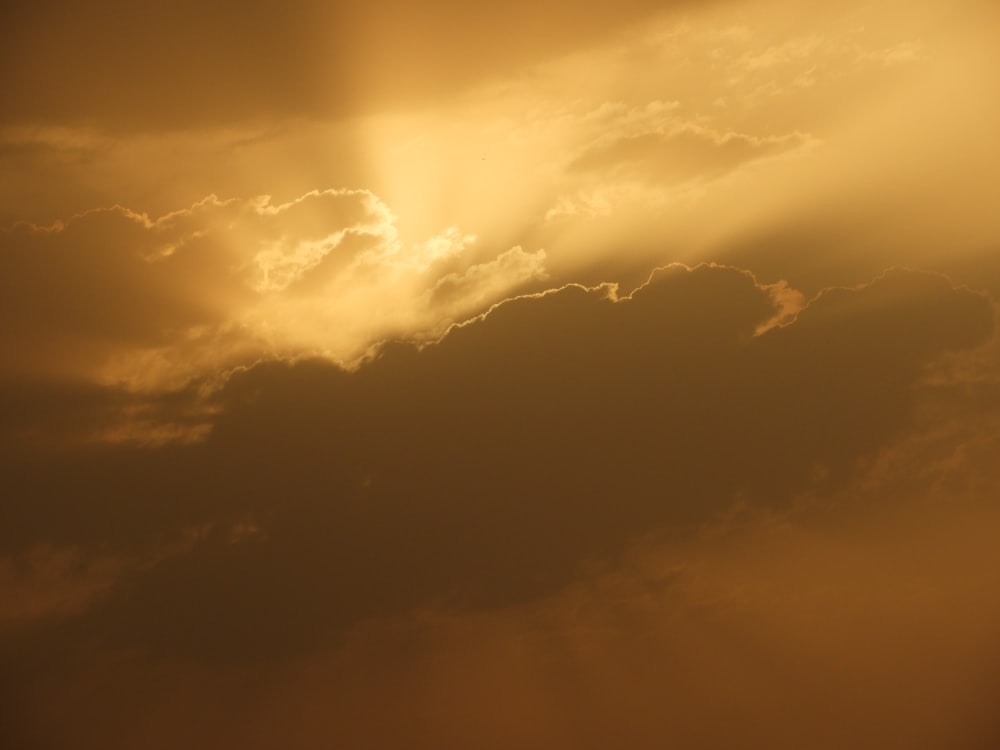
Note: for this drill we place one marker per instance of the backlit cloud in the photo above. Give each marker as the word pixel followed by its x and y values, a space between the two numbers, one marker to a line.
pixel 226 282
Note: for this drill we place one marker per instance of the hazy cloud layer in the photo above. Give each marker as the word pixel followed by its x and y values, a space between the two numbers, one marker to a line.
pixel 882 114
pixel 685 153
pixel 129 66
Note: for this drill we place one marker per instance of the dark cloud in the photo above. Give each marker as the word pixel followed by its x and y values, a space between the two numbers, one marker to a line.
pixel 484 470
pixel 123 65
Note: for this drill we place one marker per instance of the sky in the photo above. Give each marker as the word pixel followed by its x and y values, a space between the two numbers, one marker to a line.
pixel 534 374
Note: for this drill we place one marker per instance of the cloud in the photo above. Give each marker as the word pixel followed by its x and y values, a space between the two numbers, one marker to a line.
pixel 443 474
pixel 425 158
pixel 293 471
pixel 189 65
pixel 114 295
pixel 663 165
pixel 486 281
pixel 574 480
pixel 52 582
pixel 684 153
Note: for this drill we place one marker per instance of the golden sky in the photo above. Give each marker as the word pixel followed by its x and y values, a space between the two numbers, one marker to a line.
pixel 532 374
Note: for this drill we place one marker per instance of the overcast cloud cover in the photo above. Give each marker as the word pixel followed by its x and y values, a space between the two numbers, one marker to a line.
pixel 542 375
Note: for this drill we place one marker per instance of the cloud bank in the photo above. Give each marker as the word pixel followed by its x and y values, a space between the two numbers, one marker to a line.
pixel 525 453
